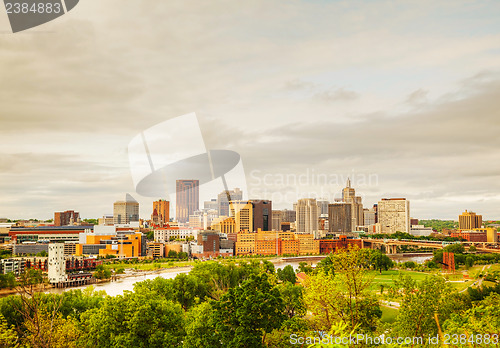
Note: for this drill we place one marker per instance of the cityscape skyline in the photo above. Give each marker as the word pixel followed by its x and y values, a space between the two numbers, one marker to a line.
pixel 346 197
pixel 326 88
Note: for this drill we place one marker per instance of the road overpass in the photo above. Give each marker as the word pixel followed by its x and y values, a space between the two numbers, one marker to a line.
pixel 391 245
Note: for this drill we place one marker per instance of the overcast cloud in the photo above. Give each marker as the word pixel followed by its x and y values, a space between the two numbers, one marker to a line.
pixel 404 91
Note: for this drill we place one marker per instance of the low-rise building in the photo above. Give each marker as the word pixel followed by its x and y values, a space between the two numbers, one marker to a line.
pixel 471 235
pixel 156 250
pixel 124 244
pixel 48 234
pixel 224 224
pixel 163 235
pixel 327 246
pixel 12 265
pixel 421 230
pixel 275 243
pixel 29 248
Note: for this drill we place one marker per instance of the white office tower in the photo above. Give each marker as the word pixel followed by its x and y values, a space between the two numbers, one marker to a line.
pixel 57 263
pixel 394 215
pixel 307 215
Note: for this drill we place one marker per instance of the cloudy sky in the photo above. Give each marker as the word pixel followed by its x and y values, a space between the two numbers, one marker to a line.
pixel 402 96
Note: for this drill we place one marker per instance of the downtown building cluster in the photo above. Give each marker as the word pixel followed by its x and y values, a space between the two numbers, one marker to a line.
pixel 224 226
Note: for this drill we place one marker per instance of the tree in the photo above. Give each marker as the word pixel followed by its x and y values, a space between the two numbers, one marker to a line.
pixel 431 264
pixel 409 264
pixel 7 280
pixel 380 261
pixel 268 267
pixel 133 320
pixel 8 337
pixel 52 331
pixel 455 248
pixel 102 273
pixel 287 274
pixel 75 302
pixel 187 290
pixel 419 303
pixel 200 327
pixel 40 312
pixel 172 254
pixel 245 314
pixel 344 297
pixel 469 261
pixel 304 267
pixel 159 286
pixel 326 265
pixel 5 254
pixel 483 318
pixel 351 267
pixel 293 299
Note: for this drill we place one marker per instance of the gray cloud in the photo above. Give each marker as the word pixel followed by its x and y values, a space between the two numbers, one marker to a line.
pixel 339 94
pixel 417 97
pixel 289 86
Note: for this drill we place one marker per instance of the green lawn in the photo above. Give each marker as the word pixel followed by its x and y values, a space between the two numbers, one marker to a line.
pixel 494 267
pixel 388 314
pixel 387 278
pixel 462 285
pixel 148 266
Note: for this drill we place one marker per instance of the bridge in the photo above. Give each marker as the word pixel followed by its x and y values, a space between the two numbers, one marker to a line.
pixel 391 245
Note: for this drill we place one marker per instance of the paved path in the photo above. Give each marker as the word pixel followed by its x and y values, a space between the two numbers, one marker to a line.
pixel 479 281
pixel 390 304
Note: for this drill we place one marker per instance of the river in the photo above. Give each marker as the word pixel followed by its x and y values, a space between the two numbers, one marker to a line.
pixel 127 283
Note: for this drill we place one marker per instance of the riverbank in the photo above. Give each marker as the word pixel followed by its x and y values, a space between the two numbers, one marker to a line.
pixel 13 291
pixel 134 272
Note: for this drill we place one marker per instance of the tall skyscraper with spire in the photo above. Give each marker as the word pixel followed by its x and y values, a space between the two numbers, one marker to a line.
pixel 349 196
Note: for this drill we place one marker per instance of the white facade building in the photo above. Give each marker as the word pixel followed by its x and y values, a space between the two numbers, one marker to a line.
pixel 394 215
pixel 421 230
pixel 57 263
pixel 163 235
pixel 307 215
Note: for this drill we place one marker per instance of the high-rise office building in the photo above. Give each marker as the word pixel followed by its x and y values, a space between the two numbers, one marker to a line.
pixel 283 218
pixel 211 205
pixel 223 200
pixel 339 217
pixel 469 220
pixel 369 216
pixel 126 211
pixel 394 215
pixel 277 219
pixel 187 199
pixel 323 208
pixel 349 196
pixel 161 212
pixel 307 213
pixel 262 215
pixel 242 212
pixel 68 217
